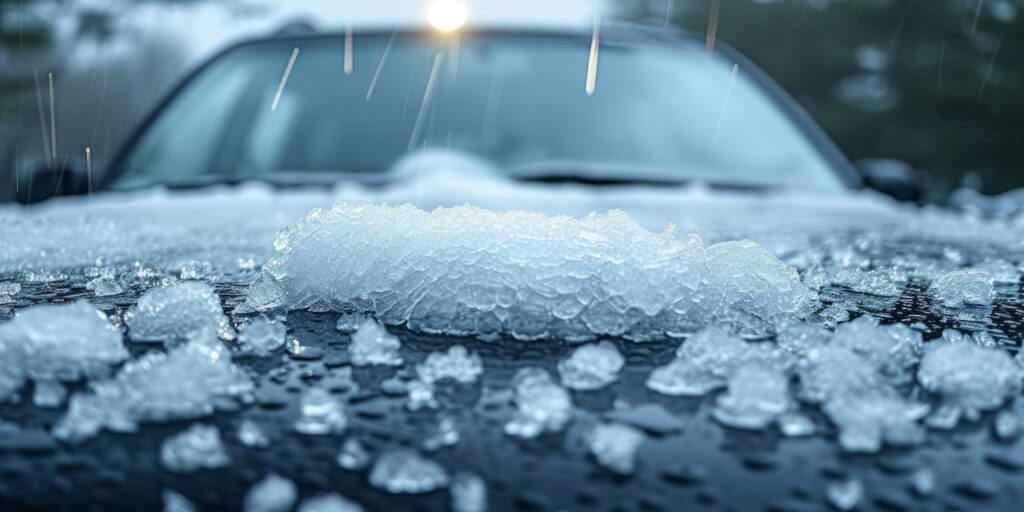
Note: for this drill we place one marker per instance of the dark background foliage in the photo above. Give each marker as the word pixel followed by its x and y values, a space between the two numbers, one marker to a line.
pixel 938 83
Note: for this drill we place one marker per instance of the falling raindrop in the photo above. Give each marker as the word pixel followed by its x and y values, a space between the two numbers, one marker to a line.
pixel 595 45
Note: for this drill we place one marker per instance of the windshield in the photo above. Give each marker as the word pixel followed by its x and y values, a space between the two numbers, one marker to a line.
pixel 518 103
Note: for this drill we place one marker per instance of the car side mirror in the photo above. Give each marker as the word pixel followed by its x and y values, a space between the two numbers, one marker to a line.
pixel 894 178
pixel 44 181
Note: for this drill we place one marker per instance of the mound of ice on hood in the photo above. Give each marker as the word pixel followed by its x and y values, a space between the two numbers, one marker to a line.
pixel 470 271
pixel 189 381
pixel 52 343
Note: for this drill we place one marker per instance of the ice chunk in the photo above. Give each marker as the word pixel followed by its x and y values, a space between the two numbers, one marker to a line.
pixel 466 270
pixel 469 493
pixel 348 322
pixel 591 367
pixel 863 404
pixel 971 287
pixel 105 283
pixel 683 377
pixel 894 350
pixel 971 378
pixel 880 283
pixel 329 502
pixel 867 421
pixel 615 445
pixel 261 337
pixel 458 364
pixel 446 434
pixel 794 424
pixel 189 381
pixel 320 414
pixel 49 393
pixel 8 290
pixel 353 455
pixel 1002 271
pixel 175 502
pixel 274 493
pixel 402 471
pixel 845 495
pixel 177 313
pixel 706 360
pixel 198 447
pixel 373 345
pixel 542 405
pixel 250 434
pixel 51 343
pixel 922 482
pixel 757 395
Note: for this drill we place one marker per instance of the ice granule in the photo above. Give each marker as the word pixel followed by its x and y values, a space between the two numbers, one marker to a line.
pixel 845 495
pixel 193 270
pixel 320 414
pixel 860 401
pixel 348 322
pixel 471 271
pixel 469 493
pixel 177 313
pixel 706 360
pixel 683 378
pixel 893 349
pixel 49 394
pixel 353 455
pixel 757 395
pixel 922 482
pixel 1002 271
pixel 274 493
pixel 373 345
pixel 403 471
pixel 591 366
pixel 8 290
pixel 795 424
pixel 175 502
pixel 105 284
pixel 446 434
pixel 614 446
pixel 866 422
pixel 971 287
pixel 250 434
pixel 198 447
pixel 1006 426
pixel 421 395
pixel 189 381
pixel 329 502
pixel 458 364
pixel 542 405
pixel 261 337
pixel 971 378
pixel 880 283
pixel 51 343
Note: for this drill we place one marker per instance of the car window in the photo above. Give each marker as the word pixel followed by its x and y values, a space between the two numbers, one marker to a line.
pixel 659 112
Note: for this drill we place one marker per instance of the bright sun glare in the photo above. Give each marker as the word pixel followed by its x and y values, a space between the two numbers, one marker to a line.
pixel 447 15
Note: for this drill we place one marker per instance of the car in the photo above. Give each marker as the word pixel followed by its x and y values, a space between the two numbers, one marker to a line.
pixel 594 268
pixel 238 119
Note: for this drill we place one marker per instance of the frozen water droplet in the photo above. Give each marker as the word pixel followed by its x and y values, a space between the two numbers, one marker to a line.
pixel 320 414
pixel 403 471
pixel 198 447
pixel 273 493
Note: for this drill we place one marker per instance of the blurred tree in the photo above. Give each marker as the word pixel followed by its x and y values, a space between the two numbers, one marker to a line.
pixel 934 82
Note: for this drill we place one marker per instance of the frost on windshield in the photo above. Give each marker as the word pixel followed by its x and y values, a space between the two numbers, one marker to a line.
pixel 189 381
pixel 971 287
pixel 50 344
pixel 591 367
pixel 470 271
pixel 198 447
